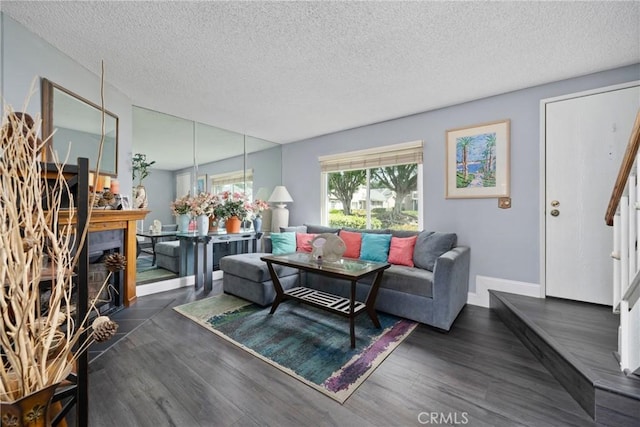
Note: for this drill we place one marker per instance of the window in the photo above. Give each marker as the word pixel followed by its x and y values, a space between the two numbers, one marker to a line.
pixel 233 182
pixel 380 188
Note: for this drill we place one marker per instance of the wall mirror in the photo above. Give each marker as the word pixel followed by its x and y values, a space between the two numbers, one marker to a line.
pixel 222 159
pixel 77 123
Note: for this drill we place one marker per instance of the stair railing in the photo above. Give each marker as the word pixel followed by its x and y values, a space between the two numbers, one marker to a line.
pixel 623 213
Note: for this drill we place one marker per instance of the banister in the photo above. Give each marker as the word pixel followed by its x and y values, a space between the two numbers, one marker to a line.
pixel 624 171
pixel 632 294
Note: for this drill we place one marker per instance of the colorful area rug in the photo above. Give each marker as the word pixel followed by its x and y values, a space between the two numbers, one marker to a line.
pixel 309 344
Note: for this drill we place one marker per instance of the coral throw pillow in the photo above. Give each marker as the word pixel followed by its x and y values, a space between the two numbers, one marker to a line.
pixel 352 240
pixel 401 250
pixel 303 241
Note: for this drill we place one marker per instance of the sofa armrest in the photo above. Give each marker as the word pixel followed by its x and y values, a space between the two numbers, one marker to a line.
pixel 450 285
pixel 266 244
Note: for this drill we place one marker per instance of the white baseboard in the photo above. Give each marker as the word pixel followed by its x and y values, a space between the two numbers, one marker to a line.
pixel 165 285
pixel 168 285
pixel 484 283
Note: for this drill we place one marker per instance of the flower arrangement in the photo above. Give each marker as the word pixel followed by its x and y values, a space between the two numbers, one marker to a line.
pixel 181 206
pixel 39 345
pixel 203 204
pixel 233 204
pixel 258 206
pixel 140 167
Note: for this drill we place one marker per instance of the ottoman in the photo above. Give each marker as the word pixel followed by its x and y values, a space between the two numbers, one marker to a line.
pixel 168 255
pixel 247 276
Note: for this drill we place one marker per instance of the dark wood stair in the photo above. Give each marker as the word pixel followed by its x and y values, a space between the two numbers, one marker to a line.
pixel 576 342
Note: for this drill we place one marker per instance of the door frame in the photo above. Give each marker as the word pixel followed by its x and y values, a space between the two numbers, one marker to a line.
pixel 543 170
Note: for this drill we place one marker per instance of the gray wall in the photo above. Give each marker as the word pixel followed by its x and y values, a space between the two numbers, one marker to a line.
pixel 505 243
pixel 160 186
pixel 26 58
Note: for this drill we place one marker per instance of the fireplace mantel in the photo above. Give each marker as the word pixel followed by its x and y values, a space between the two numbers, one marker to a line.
pixel 103 220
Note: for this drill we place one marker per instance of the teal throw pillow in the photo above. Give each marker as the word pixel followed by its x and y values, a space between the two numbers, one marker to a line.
pixel 283 243
pixel 375 247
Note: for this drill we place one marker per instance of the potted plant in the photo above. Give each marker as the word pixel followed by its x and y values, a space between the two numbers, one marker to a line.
pixel 234 208
pixel 140 169
pixel 181 208
pixel 39 345
pixel 202 207
pixel 257 207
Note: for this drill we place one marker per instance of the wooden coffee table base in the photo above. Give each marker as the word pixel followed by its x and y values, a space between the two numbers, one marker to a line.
pixel 347 307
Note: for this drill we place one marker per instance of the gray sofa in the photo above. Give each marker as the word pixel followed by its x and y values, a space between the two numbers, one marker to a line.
pixel 431 297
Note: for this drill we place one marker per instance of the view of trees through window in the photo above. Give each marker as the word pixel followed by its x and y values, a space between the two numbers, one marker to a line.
pixel 384 197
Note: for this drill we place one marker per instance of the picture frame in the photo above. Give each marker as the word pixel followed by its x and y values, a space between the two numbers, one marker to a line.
pixel 477 161
pixel 125 202
pixel 201 184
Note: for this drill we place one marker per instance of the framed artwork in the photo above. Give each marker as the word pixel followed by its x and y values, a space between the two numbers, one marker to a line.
pixel 201 183
pixel 125 202
pixel 477 163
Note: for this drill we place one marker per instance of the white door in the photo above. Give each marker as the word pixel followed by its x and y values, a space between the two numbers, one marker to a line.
pixel 586 138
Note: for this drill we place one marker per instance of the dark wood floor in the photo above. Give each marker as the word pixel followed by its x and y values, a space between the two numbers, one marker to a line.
pixel 169 371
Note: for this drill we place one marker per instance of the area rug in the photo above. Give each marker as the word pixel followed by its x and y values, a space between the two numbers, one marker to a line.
pixel 307 343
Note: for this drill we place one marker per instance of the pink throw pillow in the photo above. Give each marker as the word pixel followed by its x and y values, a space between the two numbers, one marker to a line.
pixel 401 250
pixel 353 241
pixel 303 241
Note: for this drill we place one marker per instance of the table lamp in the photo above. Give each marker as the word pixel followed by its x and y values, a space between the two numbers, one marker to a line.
pixel 279 214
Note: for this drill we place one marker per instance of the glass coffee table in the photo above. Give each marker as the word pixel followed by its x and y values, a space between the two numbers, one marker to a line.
pixel 344 268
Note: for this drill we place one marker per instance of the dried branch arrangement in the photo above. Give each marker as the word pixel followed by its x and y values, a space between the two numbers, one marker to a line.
pixel 38 348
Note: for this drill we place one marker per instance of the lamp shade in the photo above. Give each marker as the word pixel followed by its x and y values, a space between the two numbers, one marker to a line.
pixel 262 194
pixel 280 195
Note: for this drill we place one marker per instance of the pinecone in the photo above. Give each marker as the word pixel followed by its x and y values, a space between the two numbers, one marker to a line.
pixel 108 196
pixel 28 243
pixel 103 328
pixel 115 262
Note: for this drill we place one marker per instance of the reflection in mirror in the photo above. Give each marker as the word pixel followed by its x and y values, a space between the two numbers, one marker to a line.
pixel 186 152
pixel 77 123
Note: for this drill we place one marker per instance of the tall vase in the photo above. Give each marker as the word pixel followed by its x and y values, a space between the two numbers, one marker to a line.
pixel 203 225
pixel 233 224
pixel 257 224
pixel 140 197
pixel 213 224
pixel 183 223
pixel 29 411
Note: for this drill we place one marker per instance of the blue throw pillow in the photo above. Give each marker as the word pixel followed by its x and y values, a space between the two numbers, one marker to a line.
pixel 283 243
pixel 375 247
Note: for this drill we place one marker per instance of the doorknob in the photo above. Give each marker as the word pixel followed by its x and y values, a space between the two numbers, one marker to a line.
pixel 555 203
pixel 555 212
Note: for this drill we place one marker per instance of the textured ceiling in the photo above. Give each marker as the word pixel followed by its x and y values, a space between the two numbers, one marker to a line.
pixel 285 71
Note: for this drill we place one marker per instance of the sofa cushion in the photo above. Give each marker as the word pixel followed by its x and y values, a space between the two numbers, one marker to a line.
pixel 303 242
pixel 283 243
pixel 369 230
pixel 375 247
pixel 251 267
pixel 430 246
pixel 294 228
pixel 353 241
pixel 408 280
pixel 171 248
pixel 401 250
pixel 169 227
pixel 319 229
pixel 404 233
pixel 400 278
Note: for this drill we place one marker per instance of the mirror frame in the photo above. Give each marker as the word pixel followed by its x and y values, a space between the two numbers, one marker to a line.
pixel 48 124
